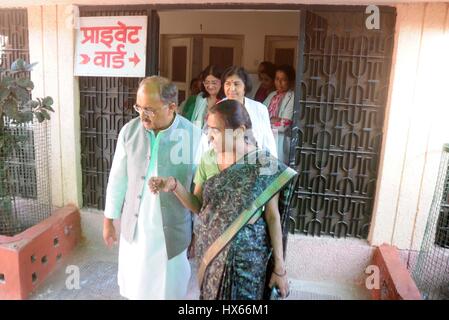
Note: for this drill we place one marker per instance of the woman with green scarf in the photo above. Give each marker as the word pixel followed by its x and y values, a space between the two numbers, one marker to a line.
pixel 236 197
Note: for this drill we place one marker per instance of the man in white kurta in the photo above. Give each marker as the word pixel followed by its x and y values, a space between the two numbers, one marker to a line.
pixel 155 234
pixel 144 261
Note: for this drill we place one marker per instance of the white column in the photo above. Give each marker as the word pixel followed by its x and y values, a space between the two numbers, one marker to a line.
pixel 51 45
pixel 70 107
pixel 42 43
pixel 411 149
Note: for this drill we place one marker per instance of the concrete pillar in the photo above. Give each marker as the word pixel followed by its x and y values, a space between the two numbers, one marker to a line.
pixel 52 46
pixel 414 115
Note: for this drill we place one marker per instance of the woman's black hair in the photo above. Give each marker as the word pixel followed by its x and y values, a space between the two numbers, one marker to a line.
pixel 215 72
pixel 234 115
pixel 269 69
pixel 193 81
pixel 241 73
pixel 289 72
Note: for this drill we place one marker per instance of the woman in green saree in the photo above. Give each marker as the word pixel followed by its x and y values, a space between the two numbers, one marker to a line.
pixel 236 197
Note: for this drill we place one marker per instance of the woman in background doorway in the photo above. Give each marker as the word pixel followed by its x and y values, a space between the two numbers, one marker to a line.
pixel 236 83
pixel 211 93
pixel 266 73
pixel 188 106
pixel 280 107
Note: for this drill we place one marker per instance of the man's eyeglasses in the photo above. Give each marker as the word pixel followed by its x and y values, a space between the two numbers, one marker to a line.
pixel 146 111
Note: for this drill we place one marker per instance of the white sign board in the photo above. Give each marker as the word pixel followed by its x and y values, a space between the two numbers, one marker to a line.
pixel 111 46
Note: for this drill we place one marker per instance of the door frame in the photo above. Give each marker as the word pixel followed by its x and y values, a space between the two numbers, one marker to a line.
pixel 271 39
pixel 166 59
pixel 208 42
pixel 302 8
pixel 194 37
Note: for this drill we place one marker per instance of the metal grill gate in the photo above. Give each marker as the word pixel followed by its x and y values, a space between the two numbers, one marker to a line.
pixel 344 77
pixel 13 36
pixel 105 106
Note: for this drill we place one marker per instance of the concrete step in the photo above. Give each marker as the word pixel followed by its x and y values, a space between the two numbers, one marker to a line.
pixel 315 290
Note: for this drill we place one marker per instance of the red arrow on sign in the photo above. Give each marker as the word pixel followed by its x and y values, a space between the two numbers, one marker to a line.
pixel 134 59
pixel 85 57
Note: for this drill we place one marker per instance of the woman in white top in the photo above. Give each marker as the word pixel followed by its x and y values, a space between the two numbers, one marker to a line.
pixel 280 107
pixel 211 93
pixel 236 83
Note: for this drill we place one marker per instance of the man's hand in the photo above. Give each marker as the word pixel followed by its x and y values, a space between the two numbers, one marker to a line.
pixel 164 184
pixel 109 235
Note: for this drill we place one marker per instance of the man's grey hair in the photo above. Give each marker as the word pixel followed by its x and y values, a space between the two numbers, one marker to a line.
pixel 168 92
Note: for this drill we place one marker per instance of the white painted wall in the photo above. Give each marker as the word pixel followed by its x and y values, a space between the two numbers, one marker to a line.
pixel 253 25
pixel 52 45
pixel 416 125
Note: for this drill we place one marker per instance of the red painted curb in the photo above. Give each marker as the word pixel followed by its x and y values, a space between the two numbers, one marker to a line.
pixel 396 282
pixel 28 258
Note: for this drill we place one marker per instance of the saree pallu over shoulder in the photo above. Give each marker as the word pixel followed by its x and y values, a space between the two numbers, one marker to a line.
pixel 232 200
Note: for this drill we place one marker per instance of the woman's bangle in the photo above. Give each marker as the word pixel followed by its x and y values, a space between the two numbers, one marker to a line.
pixel 280 275
pixel 176 184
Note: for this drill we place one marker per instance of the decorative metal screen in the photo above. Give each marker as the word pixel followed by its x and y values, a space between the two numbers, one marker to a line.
pixel 13 36
pixel 105 106
pixel 338 132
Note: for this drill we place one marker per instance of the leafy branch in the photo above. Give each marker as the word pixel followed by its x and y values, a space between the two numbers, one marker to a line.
pixel 15 95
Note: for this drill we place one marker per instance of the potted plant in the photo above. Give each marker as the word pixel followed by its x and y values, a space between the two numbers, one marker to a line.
pixel 16 107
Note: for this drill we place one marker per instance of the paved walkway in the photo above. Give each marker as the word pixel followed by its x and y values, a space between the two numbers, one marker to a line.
pixel 98 274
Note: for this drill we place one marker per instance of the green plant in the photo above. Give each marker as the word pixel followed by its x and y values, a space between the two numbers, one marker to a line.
pixel 16 107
